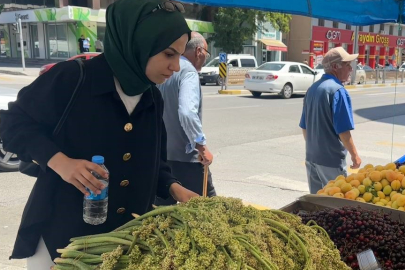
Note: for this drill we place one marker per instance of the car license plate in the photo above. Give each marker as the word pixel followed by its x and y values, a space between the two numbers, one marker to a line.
pixel 257 77
pixel 201 77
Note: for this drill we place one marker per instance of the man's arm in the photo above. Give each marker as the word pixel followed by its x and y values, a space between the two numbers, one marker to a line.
pixel 304 132
pixel 189 104
pixel 343 123
pixel 347 140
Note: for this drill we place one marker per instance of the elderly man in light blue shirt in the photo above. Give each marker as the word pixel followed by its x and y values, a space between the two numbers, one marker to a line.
pixel 187 150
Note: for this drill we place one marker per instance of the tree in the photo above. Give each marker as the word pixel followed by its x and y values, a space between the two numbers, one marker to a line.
pixel 234 26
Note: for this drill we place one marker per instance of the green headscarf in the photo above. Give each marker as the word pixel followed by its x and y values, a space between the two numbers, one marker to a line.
pixel 128 45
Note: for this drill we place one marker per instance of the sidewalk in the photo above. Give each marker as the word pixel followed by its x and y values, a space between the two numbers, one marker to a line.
pixel 12 70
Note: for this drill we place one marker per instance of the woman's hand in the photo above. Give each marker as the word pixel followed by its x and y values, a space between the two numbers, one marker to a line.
pixel 77 172
pixel 180 193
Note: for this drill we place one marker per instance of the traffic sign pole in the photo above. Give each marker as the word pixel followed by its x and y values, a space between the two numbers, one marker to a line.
pixel 223 69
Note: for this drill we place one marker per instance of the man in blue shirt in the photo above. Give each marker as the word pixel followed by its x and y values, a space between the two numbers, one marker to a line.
pixel 187 150
pixel 327 120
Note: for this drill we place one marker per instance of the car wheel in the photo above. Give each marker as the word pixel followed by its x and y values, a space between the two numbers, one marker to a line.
pixel 256 94
pixel 287 91
pixel 219 80
pixel 361 81
pixel 8 161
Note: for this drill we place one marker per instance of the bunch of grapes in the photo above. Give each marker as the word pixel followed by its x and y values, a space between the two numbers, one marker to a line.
pixel 354 230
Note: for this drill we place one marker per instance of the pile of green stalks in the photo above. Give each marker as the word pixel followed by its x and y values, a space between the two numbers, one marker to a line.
pixel 206 233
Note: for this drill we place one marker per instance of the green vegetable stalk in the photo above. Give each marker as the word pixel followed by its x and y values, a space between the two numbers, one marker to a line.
pixel 205 233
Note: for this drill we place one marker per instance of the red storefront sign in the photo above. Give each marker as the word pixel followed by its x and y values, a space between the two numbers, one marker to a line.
pixel 318 47
pixel 335 35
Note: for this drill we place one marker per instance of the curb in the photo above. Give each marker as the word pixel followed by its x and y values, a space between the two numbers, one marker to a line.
pixel 257 206
pixel 372 85
pixel 233 92
pixel 13 72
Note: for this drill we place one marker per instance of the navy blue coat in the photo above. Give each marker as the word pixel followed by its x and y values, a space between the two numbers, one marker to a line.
pixel 95 126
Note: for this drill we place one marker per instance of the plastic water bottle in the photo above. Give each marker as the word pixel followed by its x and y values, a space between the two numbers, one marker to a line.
pixel 95 206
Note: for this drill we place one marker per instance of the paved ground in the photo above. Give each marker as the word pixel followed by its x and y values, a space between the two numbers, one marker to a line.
pixel 258 148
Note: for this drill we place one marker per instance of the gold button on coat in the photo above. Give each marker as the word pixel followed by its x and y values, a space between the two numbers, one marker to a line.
pixel 121 210
pixel 126 157
pixel 124 183
pixel 128 127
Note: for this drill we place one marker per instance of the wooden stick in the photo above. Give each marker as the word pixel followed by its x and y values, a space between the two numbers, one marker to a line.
pixel 205 184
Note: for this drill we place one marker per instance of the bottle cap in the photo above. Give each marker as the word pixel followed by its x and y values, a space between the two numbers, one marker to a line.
pixel 98 159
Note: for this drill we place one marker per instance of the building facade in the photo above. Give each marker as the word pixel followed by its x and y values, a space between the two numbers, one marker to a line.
pixel 53 33
pixel 311 38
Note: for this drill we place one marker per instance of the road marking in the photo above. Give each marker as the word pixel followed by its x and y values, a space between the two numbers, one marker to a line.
pixel 377 94
pixel 280 182
pixel 227 108
pixel 390 143
pixel 6 79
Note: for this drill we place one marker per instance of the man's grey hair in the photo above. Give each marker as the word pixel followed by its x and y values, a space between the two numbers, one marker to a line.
pixel 195 42
pixel 327 67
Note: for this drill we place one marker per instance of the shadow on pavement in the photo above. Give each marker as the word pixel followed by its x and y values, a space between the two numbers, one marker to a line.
pixel 274 96
pixel 381 113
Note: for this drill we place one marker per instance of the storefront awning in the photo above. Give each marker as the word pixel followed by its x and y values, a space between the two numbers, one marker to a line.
pixel 274 45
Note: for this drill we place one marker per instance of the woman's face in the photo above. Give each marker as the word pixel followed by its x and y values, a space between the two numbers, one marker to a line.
pixel 161 66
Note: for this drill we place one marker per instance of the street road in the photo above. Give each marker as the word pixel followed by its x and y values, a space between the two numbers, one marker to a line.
pixel 257 145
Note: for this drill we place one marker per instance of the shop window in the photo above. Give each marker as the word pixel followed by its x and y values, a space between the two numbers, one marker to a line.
pixel 371 29
pixel 321 22
pixel 391 29
pixel 101 31
pixel 57 40
pixel 381 28
pixel 335 24
pixel 360 28
pixel 348 27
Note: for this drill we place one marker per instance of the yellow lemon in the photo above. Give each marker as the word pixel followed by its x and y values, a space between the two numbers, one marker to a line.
pixel 362 189
pixel 396 185
pixel 401 200
pixel 384 182
pixel 381 194
pixel 391 166
pixel 367 196
pixel 346 187
pixel 387 190
pixel 339 195
pixel 367 182
pixel 377 186
pixel 376 199
pixel 379 168
pixel 402 169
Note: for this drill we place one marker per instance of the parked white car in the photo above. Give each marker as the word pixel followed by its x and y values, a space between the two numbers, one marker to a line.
pixel 210 72
pixel 360 73
pixel 284 78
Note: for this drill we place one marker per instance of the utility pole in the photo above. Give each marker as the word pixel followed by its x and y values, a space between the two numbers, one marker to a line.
pixel 356 50
pixel 19 25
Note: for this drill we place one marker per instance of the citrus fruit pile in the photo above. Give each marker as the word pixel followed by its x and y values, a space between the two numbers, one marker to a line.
pixel 380 185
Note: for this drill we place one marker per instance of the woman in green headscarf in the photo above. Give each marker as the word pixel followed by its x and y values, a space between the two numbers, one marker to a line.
pixel 117 114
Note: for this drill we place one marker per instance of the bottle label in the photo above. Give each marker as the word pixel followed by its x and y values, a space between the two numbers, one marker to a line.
pixel 101 196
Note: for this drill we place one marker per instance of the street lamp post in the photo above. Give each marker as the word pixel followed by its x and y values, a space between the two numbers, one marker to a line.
pixel 21 43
